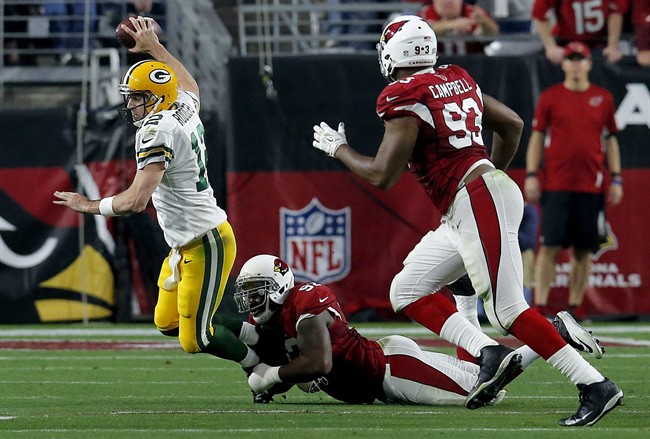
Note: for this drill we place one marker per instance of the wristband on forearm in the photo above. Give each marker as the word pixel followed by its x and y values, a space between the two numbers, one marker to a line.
pixel 106 207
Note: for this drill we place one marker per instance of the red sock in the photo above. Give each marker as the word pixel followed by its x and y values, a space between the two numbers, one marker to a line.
pixel 462 354
pixel 538 333
pixel 431 311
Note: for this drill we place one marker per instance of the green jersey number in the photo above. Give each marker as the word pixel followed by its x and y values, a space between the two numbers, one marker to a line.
pixel 198 145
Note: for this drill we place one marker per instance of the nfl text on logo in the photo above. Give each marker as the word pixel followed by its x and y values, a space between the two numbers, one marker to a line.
pixel 315 242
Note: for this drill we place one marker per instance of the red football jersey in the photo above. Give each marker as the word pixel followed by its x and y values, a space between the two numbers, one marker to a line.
pixel 574 158
pixel 448 105
pixel 358 367
pixel 582 20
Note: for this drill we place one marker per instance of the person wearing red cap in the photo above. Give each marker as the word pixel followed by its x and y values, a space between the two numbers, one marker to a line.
pixel 578 118
pixel 597 23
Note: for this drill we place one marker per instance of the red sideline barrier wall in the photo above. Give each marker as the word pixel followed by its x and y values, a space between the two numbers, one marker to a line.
pixel 384 226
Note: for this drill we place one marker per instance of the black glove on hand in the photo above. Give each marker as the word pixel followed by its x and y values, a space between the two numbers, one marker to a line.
pixel 266 397
pixel 271 345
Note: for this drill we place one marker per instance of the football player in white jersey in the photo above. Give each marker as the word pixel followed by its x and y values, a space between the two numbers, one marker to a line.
pixel 162 99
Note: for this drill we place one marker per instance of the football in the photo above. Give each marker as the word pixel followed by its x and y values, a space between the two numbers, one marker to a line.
pixel 127 40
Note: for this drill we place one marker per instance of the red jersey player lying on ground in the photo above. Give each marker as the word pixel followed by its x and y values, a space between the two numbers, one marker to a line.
pixel 433 125
pixel 319 350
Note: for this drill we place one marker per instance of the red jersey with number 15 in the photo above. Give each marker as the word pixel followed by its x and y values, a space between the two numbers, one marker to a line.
pixel 448 105
pixel 582 20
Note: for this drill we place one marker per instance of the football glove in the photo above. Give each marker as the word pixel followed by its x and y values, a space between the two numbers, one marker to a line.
pixel 262 398
pixel 271 345
pixel 328 140
pixel 266 397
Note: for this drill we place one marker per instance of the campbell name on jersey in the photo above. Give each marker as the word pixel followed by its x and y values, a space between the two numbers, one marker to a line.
pixel 184 200
pixel 448 105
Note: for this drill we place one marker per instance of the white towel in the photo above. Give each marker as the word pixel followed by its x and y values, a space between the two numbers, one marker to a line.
pixel 172 281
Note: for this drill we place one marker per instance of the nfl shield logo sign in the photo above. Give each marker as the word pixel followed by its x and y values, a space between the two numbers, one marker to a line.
pixel 315 242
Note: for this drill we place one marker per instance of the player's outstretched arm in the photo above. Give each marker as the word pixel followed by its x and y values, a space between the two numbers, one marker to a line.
pixel 315 345
pixel 314 361
pixel 507 127
pixel 384 169
pixel 132 200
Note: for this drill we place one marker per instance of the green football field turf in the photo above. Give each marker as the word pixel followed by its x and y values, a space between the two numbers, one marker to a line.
pixel 125 381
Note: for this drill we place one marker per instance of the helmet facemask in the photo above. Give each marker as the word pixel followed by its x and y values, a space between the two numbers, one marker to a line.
pixel 149 103
pixel 253 294
pixel 262 286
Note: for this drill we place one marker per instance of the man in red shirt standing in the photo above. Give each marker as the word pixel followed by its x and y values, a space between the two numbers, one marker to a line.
pixel 597 23
pixel 577 116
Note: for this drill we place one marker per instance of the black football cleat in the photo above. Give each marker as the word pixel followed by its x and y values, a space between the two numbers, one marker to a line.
pixel 497 363
pixel 577 336
pixel 596 400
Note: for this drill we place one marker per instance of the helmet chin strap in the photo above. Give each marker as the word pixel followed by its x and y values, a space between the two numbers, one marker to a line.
pixel 139 123
pixel 269 309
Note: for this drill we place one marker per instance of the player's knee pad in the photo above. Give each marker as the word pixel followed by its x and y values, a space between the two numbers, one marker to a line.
pixel 164 319
pixel 404 293
pixel 500 317
pixel 189 344
pixel 397 344
pixel 394 293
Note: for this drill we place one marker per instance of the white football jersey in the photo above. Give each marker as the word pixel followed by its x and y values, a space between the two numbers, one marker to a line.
pixel 184 200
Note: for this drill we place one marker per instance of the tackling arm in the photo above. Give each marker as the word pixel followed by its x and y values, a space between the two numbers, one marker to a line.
pixel 314 361
pixel 507 127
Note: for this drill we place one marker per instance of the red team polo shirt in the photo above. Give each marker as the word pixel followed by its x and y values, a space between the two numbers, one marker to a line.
pixel 574 159
pixel 358 367
pixel 448 105
pixel 581 20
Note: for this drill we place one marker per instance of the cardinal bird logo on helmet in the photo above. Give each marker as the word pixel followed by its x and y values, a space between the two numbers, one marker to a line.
pixel 391 30
pixel 279 266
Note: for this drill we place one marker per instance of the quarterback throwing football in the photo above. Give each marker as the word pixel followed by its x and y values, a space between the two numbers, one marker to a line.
pixel 161 98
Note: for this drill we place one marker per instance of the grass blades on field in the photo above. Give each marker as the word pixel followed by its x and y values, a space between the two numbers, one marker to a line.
pixel 165 393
